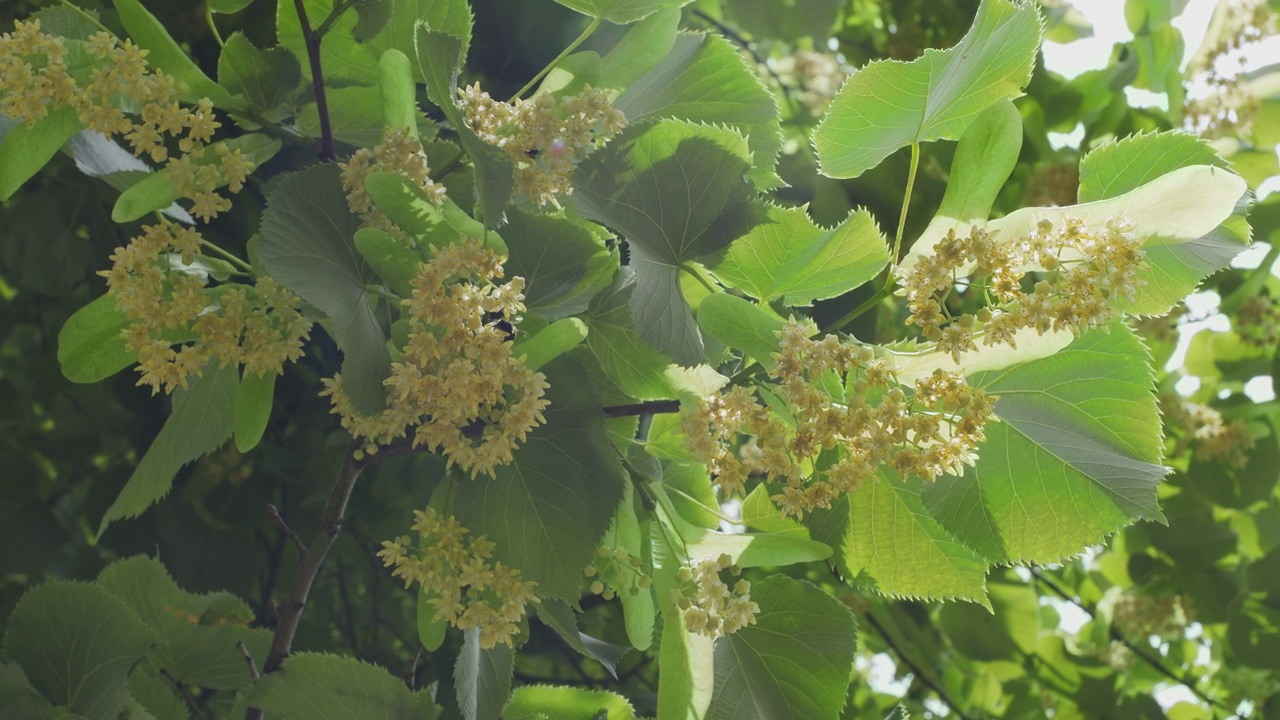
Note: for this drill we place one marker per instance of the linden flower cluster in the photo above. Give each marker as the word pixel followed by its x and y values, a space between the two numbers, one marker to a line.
pixel 1223 104
pixel 1085 267
pixel 159 288
pixel 933 430
pixel 1141 616
pixel 400 153
pixel 457 380
pixel 1257 322
pixel 545 139
pixel 817 75
pixel 619 568
pixel 710 607
pixel 468 590
pixel 34 78
pixel 1211 437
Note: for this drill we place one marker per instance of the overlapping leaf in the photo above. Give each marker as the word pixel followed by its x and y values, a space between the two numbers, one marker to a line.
pixel 307 246
pixel 1075 456
pixel 482 678
pixel 314 686
pixel 676 192
pixel 888 105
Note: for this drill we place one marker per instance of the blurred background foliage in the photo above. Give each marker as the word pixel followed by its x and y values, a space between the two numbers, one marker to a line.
pixel 1179 621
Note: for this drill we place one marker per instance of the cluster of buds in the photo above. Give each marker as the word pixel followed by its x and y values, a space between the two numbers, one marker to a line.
pixel 817 77
pixel 838 396
pixel 400 152
pixel 1206 433
pixel 545 138
pixel 616 568
pixel 1222 104
pixel 1257 322
pixel 1084 269
pixel 467 589
pixel 1141 616
pixel 34 79
pixel 710 606
pixel 456 379
pixel 158 285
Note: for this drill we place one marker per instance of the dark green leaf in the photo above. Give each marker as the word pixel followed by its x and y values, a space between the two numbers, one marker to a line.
pixel 197 634
pixel 561 261
pixel 18 699
pixel 1010 630
pixel 202 419
pixel 547 510
pixel 76 644
pixel 268 79
pixel 559 616
pixel 482 678
pixel 307 245
pixel 312 686
pixel 637 368
pixel 795 662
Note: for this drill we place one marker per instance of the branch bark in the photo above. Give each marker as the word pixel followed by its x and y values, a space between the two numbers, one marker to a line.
pixel 312 41
pixel 309 567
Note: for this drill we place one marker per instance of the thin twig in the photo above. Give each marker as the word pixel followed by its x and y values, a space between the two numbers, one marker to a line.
pixel 915 668
pixel 309 567
pixel 1142 652
pixel 274 514
pixel 248 659
pixel 412 679
pixel 187 697
pixel 312 41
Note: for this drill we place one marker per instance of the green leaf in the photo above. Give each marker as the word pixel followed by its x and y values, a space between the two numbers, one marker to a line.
pixel 794 662
pixel 158 191
pixel 253 409
pixel 482 678
pixel 408 207
pixel 355 116
pixel 635 366
pixel 985 157
pixel 533 702
pixel 229 6
pixel 1092 435
pixel 704 79
pixel 547 509
pixel 1119 167
pixel 268 79
pixel 789 257
pixel 90 347
pixel 399 96
pixel 18 699
pixel 451 17
pixel 645 45
pixel 621 12
pixel 430 630
pixel 685 690
pixel 197 635
pixel 788 20
pixel 689 488
pixel 314 686
pixel 906 552
pixel 345 60
pixel 560 617
pixel 675 192
pixel 439 59
pixel 744 549
pixel 307 246
pixel 389 257
pixel 759 513
pixel 639 611
pixel 76 644
pixel 741 325
pixel 373 17
pixel 27 148
pixel 888 105
pixel 202 420
pixel 164 54
pixel 561 261
pixel 62 21
pixel 550 342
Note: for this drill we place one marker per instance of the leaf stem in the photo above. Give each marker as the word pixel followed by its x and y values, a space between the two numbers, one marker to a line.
pixel 595 23
pixel 902 217
pixel 857 312
pixel 227 256
pixel 685 267
pixel 87 16
pixel 309 567
pixel 312 40
pixel 338 10
pixel 208 16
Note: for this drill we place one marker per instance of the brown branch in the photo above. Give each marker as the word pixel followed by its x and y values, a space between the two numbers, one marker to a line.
pixel 187 697
pixel 309 567
pixel 652 407
pixel 274 514
pixel 248 659
pixel 915 669
pixel 312 40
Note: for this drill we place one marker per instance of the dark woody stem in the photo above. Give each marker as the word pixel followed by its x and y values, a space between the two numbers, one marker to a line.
pixel 312 41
